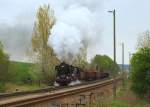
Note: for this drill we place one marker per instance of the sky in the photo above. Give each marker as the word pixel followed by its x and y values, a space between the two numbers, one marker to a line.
pixel 132 18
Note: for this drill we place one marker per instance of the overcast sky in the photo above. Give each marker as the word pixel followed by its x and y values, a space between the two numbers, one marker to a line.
pixel 132 18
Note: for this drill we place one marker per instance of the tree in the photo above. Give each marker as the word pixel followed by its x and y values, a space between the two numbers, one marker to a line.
pixel 144 40
pixel 81 59
pixel 104 63
pixel 4 62
pixel 140 72
pixel 44 54
pixel 140 66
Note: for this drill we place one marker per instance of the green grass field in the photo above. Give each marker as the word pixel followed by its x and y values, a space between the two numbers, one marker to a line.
pixel 18 77
pixel 19 72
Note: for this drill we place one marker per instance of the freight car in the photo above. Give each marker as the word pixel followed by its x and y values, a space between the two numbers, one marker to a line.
pixel 93 74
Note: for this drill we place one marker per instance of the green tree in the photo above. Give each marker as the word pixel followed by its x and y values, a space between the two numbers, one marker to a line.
pixel 104 63
pixel 140 75
pixel 4 62
pixel 42 52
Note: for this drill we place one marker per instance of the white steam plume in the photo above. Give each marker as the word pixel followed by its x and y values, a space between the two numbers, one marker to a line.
pixel 77 26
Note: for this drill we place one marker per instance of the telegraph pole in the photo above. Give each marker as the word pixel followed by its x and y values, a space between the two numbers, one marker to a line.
pixel 122 57
pixel 123 75
pixel 129 62
pixel 114 47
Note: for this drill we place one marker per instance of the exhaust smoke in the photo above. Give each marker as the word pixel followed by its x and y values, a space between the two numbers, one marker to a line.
pixel 77 27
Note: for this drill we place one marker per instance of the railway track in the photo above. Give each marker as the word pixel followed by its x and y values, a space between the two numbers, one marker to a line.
pixel 43 90
pixel 25 101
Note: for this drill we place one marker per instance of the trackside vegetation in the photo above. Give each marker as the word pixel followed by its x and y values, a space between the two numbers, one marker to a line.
pixel 4 62
pixel 140 75
pixel 125 98
pixel 117 103
pixel 140 67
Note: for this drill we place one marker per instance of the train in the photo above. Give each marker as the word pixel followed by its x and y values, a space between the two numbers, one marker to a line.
pixel 69 75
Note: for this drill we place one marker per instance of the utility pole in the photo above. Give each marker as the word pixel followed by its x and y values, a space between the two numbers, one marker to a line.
pixel 122 57
pixel 123 74
pixel 129 62
pixel 114 47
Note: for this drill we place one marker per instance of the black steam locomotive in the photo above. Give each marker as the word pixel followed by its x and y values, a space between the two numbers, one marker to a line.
pixel 66 74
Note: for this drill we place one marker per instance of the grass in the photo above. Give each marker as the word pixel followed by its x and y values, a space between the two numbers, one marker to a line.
pixel 11 87
pixel 125 98
pixel 19 72
pixel 118 103
pixel 109 103
pixel 18 75
pixel 19 66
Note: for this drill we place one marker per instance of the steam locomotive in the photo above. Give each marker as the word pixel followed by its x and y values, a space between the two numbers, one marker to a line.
pixel 67 74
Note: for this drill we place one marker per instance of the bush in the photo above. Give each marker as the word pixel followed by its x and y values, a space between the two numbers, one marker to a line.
pixel 4 62
pixel 140 72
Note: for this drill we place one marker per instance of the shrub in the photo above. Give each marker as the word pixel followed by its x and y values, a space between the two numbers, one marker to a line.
pixel 140 72
pixel 2 87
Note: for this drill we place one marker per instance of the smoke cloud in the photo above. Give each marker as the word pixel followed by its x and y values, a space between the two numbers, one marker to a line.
pixel 16 37
pixel 77 27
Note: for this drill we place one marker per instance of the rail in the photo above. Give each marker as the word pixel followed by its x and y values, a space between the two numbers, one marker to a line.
pixel 56 94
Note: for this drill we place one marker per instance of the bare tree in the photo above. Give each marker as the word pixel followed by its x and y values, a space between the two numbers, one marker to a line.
pixel 81 59
pixel 144 40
